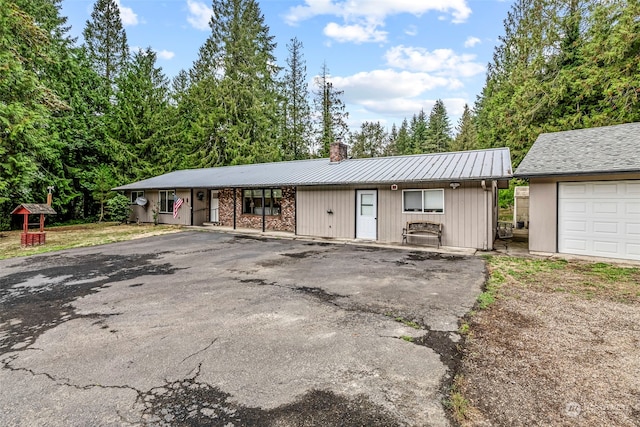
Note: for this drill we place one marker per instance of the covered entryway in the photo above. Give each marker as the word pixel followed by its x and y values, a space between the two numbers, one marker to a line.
pixel 599 218
pixel 366 214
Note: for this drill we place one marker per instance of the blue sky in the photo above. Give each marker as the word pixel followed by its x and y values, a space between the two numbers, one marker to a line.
pixel 390 57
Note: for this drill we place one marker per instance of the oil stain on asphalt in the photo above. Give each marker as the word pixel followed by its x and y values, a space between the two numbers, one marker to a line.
pixel 39 299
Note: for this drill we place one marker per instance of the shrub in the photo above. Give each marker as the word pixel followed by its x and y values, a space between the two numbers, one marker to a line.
pixel 118 208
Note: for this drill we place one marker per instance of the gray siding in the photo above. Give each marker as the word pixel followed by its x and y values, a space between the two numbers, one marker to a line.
pixel 543 207
pixel 312 217
pixel 468 219
pixel 145 213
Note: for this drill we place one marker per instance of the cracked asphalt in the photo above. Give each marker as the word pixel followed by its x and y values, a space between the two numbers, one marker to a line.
pixel 214 329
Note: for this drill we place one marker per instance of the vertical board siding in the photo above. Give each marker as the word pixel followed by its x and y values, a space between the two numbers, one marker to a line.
pixel 464 220
pixel 145 213
pixel 313 217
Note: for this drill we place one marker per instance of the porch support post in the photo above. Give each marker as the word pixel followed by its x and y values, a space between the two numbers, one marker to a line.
pixel 25 226
pixel 41 223
pixel 263 211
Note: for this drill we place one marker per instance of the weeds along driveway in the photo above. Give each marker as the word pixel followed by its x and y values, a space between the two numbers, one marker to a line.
pixel 214 329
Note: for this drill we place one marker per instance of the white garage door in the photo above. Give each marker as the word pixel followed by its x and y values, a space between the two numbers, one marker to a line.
pixel 600 218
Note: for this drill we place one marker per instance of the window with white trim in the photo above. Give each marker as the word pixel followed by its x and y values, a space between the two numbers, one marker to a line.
pixel 165 200
pixel 423 201
pixel 135 195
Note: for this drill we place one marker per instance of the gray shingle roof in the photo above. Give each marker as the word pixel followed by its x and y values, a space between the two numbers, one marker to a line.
pixel 468 165
pixel 585 151
pixel 36 208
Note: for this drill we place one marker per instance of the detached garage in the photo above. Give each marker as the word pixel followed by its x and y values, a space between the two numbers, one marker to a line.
pixel 585 192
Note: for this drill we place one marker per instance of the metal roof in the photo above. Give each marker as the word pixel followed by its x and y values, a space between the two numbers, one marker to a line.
pixel 459 166
pixel 599 150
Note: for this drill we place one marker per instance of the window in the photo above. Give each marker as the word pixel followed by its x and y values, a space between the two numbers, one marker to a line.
pixel 165 198
pixel 252 201
pixel 423 201
pixel 135 195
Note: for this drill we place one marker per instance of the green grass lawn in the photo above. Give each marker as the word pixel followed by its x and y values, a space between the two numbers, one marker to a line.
pixel 75 236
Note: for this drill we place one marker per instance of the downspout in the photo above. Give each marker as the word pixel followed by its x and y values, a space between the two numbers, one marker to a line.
pixel 235 212
pixel 263 212
pixel 295 211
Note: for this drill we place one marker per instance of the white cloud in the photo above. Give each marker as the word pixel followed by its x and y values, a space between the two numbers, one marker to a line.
pixel 162 54
pixel 407 107
pixel 438 61
pixel 471 41
pixel 127 15
pixel 384 85
pixel 199 14
pixel 377 10
pixel 412 30
pixel 354 33
pixel 165 54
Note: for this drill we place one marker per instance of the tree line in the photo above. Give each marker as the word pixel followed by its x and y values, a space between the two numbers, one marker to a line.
pixel 87 117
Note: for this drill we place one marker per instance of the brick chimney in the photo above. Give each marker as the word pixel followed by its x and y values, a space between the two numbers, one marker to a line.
pixel 337 152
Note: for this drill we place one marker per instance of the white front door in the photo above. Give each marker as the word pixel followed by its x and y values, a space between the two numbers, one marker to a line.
pixel 214 217
pixel 366 215
pixel 599 218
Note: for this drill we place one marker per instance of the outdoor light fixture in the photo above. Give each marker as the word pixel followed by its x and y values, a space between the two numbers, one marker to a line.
pixel 454 185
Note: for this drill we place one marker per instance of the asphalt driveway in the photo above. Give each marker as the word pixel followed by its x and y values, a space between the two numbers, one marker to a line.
pixel 200 328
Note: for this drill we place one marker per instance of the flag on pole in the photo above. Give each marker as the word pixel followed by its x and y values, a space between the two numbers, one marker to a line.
pixel 176 205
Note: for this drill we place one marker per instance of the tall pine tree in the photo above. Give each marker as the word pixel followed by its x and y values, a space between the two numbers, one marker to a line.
pixel 235 88
pixel 438 129
pixel 297 113
pixel 106 42
pixel 466 134
pixel 331 112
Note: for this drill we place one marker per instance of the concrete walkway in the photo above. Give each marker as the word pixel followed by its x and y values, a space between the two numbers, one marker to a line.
pixel 291 236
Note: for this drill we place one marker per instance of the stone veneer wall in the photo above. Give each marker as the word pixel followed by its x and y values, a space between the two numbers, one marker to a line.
pixel 286 221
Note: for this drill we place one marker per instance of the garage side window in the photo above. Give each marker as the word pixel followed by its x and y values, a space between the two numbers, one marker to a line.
pixel 423 201
pixel 135 195
pixel 166 200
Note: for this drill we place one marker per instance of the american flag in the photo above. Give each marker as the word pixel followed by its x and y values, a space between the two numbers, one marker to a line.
pixel 176 206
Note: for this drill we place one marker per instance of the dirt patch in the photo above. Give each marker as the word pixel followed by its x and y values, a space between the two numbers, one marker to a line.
pixel 552 351
pixel 35 301
pixel 446 347
pixel 188 402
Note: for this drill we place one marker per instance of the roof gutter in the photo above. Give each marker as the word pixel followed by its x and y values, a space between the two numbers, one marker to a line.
pixel 560 174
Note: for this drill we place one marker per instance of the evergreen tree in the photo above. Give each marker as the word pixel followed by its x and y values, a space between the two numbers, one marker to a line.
pixel 391 148
pixel 419 134
pixel 332 125
pixel 106 42
pixel 297 113
pixel 438 129
pixel 137 120
pixel 466 134
pixel 26 106
pixel 370 141
pixel 404 141
pixel 234 89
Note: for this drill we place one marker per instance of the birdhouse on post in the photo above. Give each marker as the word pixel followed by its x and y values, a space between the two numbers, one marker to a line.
pixel 32 238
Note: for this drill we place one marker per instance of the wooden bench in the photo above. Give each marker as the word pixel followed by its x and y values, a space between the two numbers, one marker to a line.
pixel 422 229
